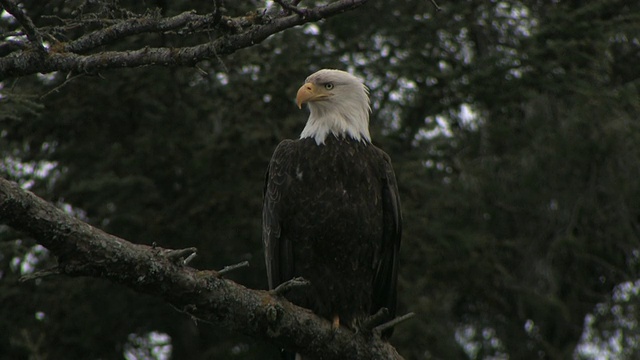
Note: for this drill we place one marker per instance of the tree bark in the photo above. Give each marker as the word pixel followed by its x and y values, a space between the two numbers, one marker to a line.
pixel 83 250
pixel 72 57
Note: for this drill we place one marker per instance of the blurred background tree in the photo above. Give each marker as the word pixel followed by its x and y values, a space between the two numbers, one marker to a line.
pixel 513 128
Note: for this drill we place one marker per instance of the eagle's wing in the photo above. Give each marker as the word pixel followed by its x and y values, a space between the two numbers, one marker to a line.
pixel 278 250
pixel 386 277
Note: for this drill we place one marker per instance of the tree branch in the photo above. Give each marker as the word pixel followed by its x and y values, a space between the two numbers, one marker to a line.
pixel 290 7
pixel 83 250
pixel 29 28
pixel 435 4
pixel 136 26
pixel 244 32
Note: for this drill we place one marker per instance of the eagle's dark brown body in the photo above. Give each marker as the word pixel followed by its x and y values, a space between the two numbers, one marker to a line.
pixel 331 215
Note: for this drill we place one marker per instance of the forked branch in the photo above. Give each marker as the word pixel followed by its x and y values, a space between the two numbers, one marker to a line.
pixel 29 28
pixel 225 36
pixel 83 250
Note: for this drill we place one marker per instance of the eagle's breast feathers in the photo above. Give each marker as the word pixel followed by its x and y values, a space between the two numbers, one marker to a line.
pixel 331 210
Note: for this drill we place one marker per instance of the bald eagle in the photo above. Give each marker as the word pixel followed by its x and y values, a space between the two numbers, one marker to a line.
pixel 331 211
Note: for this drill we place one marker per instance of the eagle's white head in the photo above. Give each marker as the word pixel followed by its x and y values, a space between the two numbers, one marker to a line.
pixel 339 105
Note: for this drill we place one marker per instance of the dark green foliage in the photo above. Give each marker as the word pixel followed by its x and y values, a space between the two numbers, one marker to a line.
pixel 520 217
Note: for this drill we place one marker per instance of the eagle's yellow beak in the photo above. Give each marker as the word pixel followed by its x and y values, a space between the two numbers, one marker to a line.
pixel 305 94
pixel 310 92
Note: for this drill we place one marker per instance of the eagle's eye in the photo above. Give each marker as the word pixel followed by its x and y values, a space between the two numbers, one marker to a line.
pixel 328 86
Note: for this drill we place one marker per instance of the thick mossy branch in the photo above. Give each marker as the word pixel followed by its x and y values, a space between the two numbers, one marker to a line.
pixel 236 33
pixel 83 250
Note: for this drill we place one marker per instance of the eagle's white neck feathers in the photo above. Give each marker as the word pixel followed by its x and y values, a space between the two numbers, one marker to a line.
pixel 344 113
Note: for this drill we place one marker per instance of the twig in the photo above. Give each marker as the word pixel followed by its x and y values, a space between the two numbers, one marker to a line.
pixel 182 255
pixel 290 7
pixel 438 8
pixel 230 268
pixel 376 319
pixel 394 322
pixel 201 70
pixel 135 26
pixel 291 284
pixel 41 274
pixel 189 258
pixel 187 310
pixel 14 33
pixel 68 79
pixel 29 28
pixel 68 56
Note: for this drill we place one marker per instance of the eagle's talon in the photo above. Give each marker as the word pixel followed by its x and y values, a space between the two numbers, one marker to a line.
pixel 335 324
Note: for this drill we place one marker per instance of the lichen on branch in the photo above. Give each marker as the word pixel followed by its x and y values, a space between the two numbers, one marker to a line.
pixel 83 250
pixel 85 53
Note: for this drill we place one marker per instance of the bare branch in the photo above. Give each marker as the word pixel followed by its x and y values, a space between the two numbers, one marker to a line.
pixel 436 5
pixel 181 256
pixel 296 282
pixel 240 33
pixel 394 322
pixel 68 79
pixel 29 28
pixel 83 250
pixel 289 8
pixel 136 26
pixel 40 274
pixel 376 319
pixel 231 268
